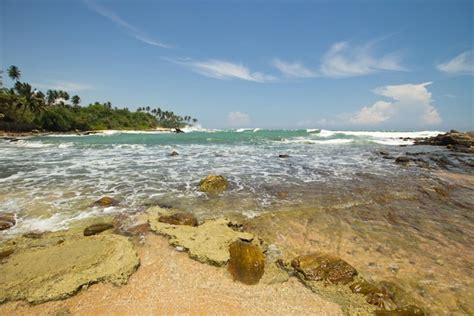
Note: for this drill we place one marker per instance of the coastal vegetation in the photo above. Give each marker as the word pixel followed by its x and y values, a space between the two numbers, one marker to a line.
pixel 24 108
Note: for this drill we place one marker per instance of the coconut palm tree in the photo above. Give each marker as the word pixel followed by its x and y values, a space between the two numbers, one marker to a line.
pixel 29 98
pixel 14 73
pixel 75 100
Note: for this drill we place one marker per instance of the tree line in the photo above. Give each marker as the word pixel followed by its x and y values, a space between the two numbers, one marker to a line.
pixel 23 108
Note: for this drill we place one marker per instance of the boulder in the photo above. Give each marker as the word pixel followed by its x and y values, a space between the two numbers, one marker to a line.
pixel 7 220
pixel 213 184
pixel 97 228
pixel 246 263
pixel 181 218
pixel 283 156
pixel 174 153
pixel 106 201
pixel 324 267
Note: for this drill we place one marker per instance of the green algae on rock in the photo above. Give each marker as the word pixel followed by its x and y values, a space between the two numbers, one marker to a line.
pixel 409 310
pixel 181 218
pixel 57 271
pixel 246 263
pixel 324 267
pixel 207 243
pixel 106 201
pixel 213 184
pixel 97 228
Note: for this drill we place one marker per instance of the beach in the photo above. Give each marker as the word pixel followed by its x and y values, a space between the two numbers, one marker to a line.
pixel 395 215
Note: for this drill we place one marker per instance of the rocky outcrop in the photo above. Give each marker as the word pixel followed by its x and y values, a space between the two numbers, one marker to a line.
pixel 453 140
pixel 246 263
pixel 324 267
pixel 106 201
pixel 97 228
pixel 59 270
pixel 180 218
pixel 7 220
pixel 213 184
pixel 207 243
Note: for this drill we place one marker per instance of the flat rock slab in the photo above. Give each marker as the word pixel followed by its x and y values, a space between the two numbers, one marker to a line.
pixel 207 243
pixel 59 270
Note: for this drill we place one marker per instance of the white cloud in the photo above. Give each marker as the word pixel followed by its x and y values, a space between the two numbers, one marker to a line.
pixel 238 119
pixel 294 69
pixel 461 64
pixel 64 85
pixel 411 105
pixel 130 29
pixel 344 60
pixel 220 69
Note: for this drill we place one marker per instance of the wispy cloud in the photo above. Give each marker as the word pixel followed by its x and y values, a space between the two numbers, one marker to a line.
pixel 224 70
pixel 238 119
pixel 293 69
pixel 124 25
pixel 410 104
pixel 346 60
pixel 63 85
pixel 461 64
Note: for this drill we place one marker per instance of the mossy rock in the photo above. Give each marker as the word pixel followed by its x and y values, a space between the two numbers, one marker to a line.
pixel 97 228
pixel 324 267
pixel 409 310
pixel 7 220
pixel 246 263
pixel 106 201
pixel 374 295
pixel 213 184
pixel 181 218
pixel 57 271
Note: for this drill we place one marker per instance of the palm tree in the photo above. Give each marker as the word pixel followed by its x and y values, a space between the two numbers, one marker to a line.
pixel 29 98
pixel 14 73
pixel 75 100
pixel 195 120
pixel 51 96
pixel 148 109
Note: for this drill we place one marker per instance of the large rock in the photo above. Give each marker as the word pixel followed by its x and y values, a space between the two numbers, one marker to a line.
pixel 207 243
pixel 181 218
pixel 59 270
pixel 246 263
pixel 213 184
pixel 7 220
pixel 324 267
pixel 453 140
pixel 106 201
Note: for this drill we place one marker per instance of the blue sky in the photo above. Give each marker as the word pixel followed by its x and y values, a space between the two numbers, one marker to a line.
pixel 372 65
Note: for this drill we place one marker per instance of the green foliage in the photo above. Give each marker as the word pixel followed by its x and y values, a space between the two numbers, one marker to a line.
pixel 24 105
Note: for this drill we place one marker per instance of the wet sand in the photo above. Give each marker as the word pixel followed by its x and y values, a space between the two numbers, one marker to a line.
pixel 169 282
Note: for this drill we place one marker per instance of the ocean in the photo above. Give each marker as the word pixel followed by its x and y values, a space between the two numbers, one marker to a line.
pixel 335 191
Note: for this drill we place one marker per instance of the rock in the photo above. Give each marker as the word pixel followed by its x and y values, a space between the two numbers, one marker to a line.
pixel 283 156
pixel 402 160
pixel 5 253
pixel 33 235
pixel 246 263
pixel 373 294
pixel 106 201
pixel 140 229
pixel 181 218
pixel 174 153
pixel 7 220
pixel 282 195
pixel 97 228
pixel 213 184
pixel 207 243
pixel 324 267
pixel 384 153
pixel 409 310
pixel 57 271
pixel 178 131
pixel 462 142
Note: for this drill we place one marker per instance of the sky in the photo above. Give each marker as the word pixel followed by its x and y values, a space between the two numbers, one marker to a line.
pixel 353 65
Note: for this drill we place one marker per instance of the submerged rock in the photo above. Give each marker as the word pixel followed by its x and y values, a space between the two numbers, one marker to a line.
pixel 283 156
pixel 213 184
pixel 106 201
pixel 374 295
pixel 324 267
pixel 181 218
pixel 402 160
pixel 246 263
pixel 7 220
pixel 57 271
pixel 6 253
pixel 174 153
pixel 97 228
pixel 207 243
pixel 409 310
